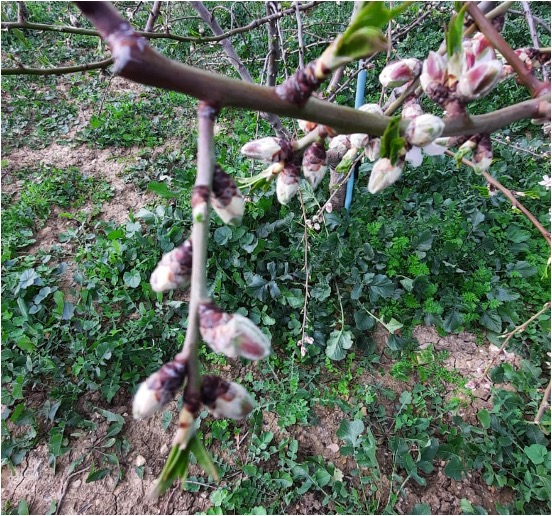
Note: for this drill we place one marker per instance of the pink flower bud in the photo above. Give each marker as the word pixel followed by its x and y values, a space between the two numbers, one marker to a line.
pixel 423 129
pixel 185 430
pixel 483 155
pixel 268 149
pixel 225 399
pixel 338 147
pixel 232 335
pixel 359 140
pixel 479 80
pixel 159 389
pixel 314 164
pixel 433 71
pixel 287 183
pixel 384 174
pixel 227 200
pixel 400 72
pixel 411 109
pixel 174 270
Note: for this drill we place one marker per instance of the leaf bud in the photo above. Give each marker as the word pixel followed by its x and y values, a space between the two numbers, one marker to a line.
pixel 268 149
pixel 228 201
pixel 174 269
pixel 225 399
pixel 158 389
pixel 384 174
pixel 423 129
pixel 400 72
pixel 314 164
pixel 232 335
pixel 287 183
pixel 479 80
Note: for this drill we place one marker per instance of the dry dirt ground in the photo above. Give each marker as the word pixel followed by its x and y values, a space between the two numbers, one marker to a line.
pixel 35 481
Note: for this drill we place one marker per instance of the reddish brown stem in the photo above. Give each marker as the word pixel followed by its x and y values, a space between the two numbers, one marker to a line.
pixel 526 77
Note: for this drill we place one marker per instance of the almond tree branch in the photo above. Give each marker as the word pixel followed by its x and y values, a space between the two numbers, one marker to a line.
pixel 161 35
pixel 510 196
pixel 237 63
pixel 200 233
pixel 22 70
pixel 153 15
pixel 22 12
pixel 300 35
pixel 526 76
pixel 274 50
pixel 137 61
pixel 543 404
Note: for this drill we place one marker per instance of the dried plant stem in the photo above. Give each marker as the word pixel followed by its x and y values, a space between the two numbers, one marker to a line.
pixel 306 268
pixel 22 70
pixel 525 76
pixel 510 196
pixel 518 329
pixel 200 232
pixel 543 404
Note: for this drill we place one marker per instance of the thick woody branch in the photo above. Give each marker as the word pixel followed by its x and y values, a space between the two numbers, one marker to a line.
pixel 525 76
pixel 137 61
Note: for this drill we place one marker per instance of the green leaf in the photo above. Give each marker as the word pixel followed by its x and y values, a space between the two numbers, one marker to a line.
pixel 25 344
pixel 363 321
pixel 492 321
pixel 23 507
pixel 349 431
pixel 391 141
pixel 132 279
pixel 484 418
pixel 28 277
pixel 361 43
pixel 455 32
pixel 111 417
pixel 453 321
pixel 320 292
pixel 161 189
pixel 55 443
pixel 536 452
pixel 222 235
pixel 381 286
pixel 203 457
pixel 96 475
pixel 454 468
pixel 421 508
pixel 338 342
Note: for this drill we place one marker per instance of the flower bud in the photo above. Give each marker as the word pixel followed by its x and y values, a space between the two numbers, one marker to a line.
pixel 433 71
pixel 314 164
pixel 423 129
pixel 232 335
pixel 372 150
pixel 174 269
pixel 185 430
pixel 384 174
pixel 479 80
pixel 159 389
pixel 483 155
pixel 400 72
pixel 268 149
pixel 287 183
pixel 337 148
pixel 411 109
pixel 225 399
pixel 306 126
pixel 359 140
pixel 227 199
pixel 374 109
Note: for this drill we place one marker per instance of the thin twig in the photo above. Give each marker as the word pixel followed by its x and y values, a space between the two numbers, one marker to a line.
pixel 153 15
pixel 518 329
pixel 306 268
pixel 543 404
pixel 510 196
pixel 533 31
pixel 22 70
pixel 299 35
pixel 521 149
pixel 536 19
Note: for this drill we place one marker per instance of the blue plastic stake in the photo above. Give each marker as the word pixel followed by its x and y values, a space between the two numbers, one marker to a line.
pixel 359 101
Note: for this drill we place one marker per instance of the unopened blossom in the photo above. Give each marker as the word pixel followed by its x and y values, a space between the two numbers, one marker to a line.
pixel 384 174
pixel 225 399
pixel 232 335
pixel 287 183
pixel 372 149
pixel 546 182
pixel 479 80
pixel 433 76
pixel 314 164
pixel 306 126
pixel 359 140
pixel 423 129
pixel 159 388
pixel 268 149
pixel 411 110
pixel 337 148
pixel 227 200
pixel 174 270
pixel 374 109
pixel 185 429
pixel 400 72
pixel 483 154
